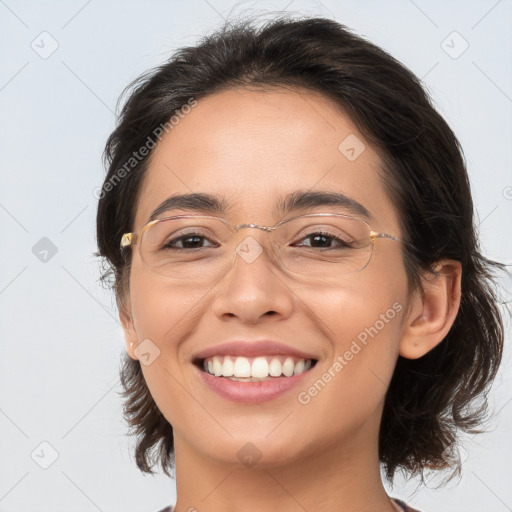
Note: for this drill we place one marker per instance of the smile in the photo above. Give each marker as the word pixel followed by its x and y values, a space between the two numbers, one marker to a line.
pixel 254 369
pixel 252 379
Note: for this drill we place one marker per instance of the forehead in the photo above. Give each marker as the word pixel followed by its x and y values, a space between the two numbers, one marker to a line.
pixel 252 148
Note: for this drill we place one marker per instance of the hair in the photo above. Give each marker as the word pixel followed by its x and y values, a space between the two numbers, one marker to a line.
pixel 429 399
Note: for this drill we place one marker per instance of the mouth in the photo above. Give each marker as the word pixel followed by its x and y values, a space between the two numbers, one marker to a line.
pixel 254 369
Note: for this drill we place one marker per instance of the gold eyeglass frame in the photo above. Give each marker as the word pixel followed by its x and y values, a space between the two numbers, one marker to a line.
pixel 129 239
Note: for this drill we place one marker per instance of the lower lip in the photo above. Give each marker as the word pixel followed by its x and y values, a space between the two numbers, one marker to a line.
pixel 251 392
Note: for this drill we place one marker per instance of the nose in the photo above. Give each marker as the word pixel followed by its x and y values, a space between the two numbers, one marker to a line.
pixel 253 287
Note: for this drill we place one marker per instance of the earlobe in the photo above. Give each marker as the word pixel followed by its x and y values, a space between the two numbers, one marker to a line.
pixel 433 311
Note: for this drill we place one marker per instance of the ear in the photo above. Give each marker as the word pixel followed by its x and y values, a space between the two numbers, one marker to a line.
pixel 433 311
pixel 130 336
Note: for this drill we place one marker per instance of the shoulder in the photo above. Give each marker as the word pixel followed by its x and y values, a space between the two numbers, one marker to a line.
pixel 403 506
pixel 400 503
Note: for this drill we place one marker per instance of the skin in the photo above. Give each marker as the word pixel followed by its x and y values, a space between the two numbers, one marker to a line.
pixel 251 147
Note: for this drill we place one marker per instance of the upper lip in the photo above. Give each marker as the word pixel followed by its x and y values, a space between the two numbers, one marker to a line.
pixel 252 349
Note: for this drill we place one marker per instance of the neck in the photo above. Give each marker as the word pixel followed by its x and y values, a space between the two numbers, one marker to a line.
pixel 344 477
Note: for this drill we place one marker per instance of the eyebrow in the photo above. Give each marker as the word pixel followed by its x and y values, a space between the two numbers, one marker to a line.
pixel 293 202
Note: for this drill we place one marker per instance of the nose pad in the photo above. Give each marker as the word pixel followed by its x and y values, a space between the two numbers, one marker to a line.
pixel 251 248
pixel 249 244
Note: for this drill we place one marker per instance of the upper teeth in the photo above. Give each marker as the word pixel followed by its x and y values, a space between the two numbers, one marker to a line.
pixel 259 367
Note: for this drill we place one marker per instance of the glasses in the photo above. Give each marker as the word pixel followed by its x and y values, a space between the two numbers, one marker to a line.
pixel 203 248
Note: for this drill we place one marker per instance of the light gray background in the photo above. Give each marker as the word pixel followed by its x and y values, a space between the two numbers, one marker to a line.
pixel 61 340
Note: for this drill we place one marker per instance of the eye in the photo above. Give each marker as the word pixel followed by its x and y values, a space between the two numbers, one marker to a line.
pixel 189 241
pixel 325 240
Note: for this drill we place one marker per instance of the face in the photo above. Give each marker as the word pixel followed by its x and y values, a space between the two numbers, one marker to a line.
pixel 252 149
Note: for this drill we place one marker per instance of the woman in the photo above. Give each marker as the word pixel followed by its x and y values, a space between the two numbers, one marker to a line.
pixel 289 227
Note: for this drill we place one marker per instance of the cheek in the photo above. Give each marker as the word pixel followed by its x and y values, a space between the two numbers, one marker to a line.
pixel 374 298
pixel 164 316
pixel 363 323
pixel 364 328
pixel 163 311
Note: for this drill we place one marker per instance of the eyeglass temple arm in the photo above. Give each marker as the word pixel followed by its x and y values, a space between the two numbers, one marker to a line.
pixel 128 239
pixel 374 235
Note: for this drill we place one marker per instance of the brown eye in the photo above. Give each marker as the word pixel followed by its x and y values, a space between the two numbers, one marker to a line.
pixel 189 241
pixel 325 240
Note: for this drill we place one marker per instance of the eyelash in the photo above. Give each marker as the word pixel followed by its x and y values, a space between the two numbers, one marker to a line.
pixel 184 237
pixel 343 243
